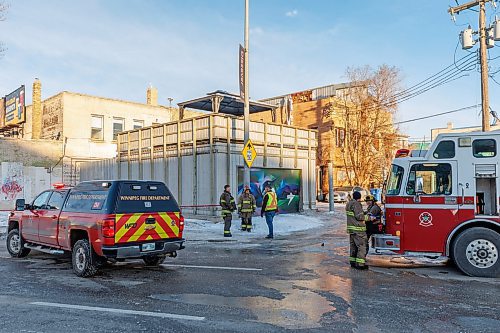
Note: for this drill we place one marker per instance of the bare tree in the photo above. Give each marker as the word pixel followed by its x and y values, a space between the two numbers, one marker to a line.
pixel 370 137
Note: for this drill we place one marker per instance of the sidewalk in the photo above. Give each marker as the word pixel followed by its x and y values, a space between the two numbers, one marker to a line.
pixel 286 224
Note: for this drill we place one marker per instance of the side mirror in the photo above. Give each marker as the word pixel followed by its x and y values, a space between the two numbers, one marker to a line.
pixel 20 204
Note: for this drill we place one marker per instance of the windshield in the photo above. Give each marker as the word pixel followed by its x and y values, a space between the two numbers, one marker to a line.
pixel 395 180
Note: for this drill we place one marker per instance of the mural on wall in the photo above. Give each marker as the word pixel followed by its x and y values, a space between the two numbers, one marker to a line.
pixel 285 182
pixel 12 184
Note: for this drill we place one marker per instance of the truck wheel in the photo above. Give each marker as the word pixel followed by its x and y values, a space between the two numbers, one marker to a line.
pixel 15 245
pixel 475 252
pixel 84 263
pixel 154 260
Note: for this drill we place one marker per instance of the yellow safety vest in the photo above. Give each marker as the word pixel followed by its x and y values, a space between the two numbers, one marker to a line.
pixel 272 201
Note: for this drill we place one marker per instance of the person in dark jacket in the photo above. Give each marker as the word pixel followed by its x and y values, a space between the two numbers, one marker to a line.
pixel 228 207
pixel 374 224
pixel 269 209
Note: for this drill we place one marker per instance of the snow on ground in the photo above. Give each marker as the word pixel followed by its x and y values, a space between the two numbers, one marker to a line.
pixel 3 221
pixel 197 230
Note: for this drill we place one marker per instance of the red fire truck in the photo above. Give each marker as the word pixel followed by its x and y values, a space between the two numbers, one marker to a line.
pixel 445 202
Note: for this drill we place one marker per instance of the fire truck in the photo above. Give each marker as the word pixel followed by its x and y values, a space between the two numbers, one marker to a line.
pixel 445 202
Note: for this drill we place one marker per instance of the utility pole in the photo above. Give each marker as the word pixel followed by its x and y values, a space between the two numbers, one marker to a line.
pixel 483 55
pixel 246 109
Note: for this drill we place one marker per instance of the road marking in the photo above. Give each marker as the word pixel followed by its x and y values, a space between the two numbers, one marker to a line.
pixel 215 267
pixel 120 311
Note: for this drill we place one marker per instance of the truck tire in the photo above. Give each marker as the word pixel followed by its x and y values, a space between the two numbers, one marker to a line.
pixel 15 244
pixel 475 252
pixel 84 261
pixel 154 260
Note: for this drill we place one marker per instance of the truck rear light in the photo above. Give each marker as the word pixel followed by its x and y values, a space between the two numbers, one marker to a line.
pixel 108 227
pixel 389 243
pixel 181 223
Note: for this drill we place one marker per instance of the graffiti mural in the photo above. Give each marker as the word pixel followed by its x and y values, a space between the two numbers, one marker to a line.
pixel 285 182
pixel 12 184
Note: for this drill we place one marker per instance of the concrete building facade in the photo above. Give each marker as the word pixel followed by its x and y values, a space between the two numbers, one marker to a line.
pixel 81 127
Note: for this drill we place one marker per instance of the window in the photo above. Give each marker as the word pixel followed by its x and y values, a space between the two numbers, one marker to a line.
pixel 56 200
pixel 395 179
pixel 484 148
pixel 445 149
pixel 141 198
pixel 138 124
pixel 96 132
pixel 39 202
pixel 430 179
pixel 118 125
pixel 339 137
pixel 86 201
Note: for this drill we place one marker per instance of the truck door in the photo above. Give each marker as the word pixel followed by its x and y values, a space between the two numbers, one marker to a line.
pixel 430 206
pixel 31 217
pixel 49 217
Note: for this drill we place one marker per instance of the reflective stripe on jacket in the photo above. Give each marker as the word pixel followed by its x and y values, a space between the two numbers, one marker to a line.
pixel 247 203
pixel 227 203
pixel 356 218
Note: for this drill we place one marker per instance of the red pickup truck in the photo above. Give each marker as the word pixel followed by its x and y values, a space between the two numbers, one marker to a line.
pixel 99 221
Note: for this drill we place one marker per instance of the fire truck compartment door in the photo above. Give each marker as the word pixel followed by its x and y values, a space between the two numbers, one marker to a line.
pixel 430 206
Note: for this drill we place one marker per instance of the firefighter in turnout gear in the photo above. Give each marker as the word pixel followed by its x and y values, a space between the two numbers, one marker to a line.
pixel 374 224
pixel 246 208
pixel 228 207
pixel 356 228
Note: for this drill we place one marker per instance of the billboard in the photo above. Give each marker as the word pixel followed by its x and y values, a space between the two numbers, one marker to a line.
pixel 285 182
pixel 14 110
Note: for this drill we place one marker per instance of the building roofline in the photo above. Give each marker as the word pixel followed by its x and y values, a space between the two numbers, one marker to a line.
pixel 104 98
pixel 335 86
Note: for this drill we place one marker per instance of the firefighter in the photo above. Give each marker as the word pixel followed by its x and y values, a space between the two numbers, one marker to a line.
pixel 246 208
pixel 374 224
pixel 356 228
pixel 269 209
pixel 228 207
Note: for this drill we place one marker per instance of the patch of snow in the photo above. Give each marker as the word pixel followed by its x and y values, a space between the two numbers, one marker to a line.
pixel 197 230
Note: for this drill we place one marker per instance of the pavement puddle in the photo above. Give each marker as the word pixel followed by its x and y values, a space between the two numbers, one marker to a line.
pixel 299 309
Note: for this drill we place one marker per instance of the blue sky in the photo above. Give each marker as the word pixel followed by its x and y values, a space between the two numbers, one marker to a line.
pixel 187 48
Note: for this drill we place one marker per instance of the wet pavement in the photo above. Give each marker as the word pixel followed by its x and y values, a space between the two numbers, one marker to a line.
pixel 298 282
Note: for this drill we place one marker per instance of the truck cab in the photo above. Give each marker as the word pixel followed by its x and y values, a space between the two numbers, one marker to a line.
pixel 99 221
pixel 445 202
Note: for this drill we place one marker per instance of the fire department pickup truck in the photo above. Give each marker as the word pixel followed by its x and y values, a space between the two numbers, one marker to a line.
pixel 445 202
pixel 99 221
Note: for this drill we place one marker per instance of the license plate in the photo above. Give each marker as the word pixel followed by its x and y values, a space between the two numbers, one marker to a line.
pixel 148 247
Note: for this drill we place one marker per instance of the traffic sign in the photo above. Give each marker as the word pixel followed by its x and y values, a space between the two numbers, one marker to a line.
pixel 249 154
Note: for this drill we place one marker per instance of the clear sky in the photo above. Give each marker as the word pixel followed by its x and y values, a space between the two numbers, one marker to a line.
pixel 187 48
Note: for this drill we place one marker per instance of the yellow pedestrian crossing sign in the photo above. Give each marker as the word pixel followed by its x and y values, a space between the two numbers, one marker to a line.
pixel 249 154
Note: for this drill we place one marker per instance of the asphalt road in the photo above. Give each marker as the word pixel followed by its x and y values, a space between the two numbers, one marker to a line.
pixel 291 283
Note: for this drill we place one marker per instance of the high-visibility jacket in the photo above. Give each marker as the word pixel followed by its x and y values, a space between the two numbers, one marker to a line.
pixel 356 218
pixel 270 202
pixel 246 203
pixel 227 203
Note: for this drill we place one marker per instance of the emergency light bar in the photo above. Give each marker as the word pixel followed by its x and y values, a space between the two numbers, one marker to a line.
pixel 402 153
pixel 58 186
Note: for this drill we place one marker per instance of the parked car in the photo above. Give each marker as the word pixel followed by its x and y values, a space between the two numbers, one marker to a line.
pixel 99 221
pixel 350 190
pixel 340 196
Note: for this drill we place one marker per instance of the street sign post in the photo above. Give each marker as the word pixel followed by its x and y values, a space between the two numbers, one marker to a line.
pixel 249 153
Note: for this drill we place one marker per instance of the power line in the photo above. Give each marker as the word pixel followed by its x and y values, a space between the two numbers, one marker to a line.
pixel 437 114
